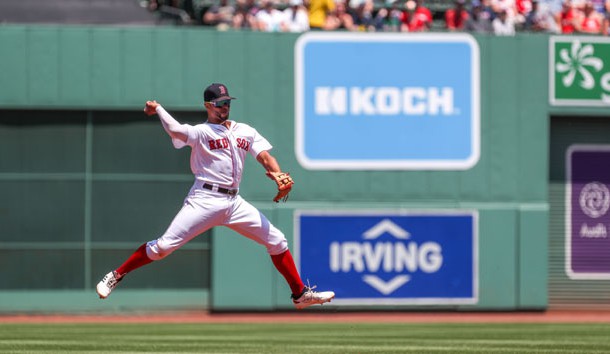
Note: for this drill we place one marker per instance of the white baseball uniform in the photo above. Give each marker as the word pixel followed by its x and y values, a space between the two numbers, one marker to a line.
pixel 217 161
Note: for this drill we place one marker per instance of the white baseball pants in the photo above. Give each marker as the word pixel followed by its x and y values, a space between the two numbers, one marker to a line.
pixel 204 209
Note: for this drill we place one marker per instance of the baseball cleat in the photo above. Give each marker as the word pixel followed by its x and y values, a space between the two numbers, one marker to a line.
pixel 108 283
pixel 310 297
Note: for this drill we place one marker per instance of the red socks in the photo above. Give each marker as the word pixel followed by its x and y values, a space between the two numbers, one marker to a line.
pixel 136 260
pixel 285 265
pixel 283 262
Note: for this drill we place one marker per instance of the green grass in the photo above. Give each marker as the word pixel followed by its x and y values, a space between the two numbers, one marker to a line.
pixel 305 338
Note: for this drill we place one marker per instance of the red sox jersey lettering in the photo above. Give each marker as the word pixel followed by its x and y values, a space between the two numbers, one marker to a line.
pixel 223 143
pixel 243 144
pixel 218 144
pixel 218 153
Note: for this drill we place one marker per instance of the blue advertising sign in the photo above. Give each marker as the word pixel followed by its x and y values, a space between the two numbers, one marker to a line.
pixel 388 258
pixel 387 101
pixel 588 212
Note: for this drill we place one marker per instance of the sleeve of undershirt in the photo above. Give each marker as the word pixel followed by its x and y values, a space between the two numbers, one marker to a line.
pixel 167 120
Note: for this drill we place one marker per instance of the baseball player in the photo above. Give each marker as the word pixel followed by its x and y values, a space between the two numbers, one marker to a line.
pixel 218 150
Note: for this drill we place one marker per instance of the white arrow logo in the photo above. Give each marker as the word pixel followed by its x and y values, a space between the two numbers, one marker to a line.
pixel 384 226
pixel 389 287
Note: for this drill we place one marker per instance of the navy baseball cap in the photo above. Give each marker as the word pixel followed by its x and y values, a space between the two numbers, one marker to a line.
pixel 216 92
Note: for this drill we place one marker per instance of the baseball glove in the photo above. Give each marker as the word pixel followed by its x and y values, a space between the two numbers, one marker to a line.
pixel 284 185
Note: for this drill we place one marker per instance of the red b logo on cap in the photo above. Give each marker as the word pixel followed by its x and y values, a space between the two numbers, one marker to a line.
pixel 223 90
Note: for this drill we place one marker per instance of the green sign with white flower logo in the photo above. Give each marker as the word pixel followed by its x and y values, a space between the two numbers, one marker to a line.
pixel 579 71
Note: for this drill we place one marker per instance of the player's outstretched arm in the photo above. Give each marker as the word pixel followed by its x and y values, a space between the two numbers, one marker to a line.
pixel 268 161
pixel 171 126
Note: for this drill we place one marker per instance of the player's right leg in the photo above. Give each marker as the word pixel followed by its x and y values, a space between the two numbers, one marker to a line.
pixel 195 217
pixel 138 259
pixel 107 284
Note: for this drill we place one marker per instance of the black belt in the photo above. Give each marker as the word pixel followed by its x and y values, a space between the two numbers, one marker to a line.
pixel 220 189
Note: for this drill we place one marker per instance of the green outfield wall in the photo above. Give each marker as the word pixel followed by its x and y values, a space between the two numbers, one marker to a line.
pixel 86 177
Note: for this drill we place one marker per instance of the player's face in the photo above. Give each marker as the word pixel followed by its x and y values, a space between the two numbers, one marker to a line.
pixel 218 111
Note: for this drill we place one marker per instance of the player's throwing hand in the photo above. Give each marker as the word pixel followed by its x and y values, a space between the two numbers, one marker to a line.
pixel 151 108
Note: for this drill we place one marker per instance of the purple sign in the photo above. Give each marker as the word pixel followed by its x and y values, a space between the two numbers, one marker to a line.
pixel 588 217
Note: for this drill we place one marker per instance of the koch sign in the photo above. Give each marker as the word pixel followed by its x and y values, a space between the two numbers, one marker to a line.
pixel 387 101
pixel 377 258
pixel 587 214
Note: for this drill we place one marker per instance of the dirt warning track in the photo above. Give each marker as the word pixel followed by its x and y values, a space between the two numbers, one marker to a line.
pixel 320 316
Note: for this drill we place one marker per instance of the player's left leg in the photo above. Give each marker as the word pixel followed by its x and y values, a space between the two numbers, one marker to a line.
pixel 284 263
pixel 306 296
pixel 248 221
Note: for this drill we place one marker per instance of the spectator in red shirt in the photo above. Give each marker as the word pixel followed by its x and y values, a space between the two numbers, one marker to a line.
pixel 456 17
pixel 416 17
pixel 524 7
pixel 566 18
pixel 590 21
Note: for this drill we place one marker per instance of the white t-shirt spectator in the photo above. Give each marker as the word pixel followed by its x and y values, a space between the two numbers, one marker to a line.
pixel 510 6
pixel 503 25
pixel 296 18
pixel 269 19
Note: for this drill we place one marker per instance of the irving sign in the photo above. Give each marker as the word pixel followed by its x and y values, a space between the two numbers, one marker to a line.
pixel 373 257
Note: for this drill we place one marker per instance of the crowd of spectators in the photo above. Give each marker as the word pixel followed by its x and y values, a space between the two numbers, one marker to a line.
pixel 499 17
